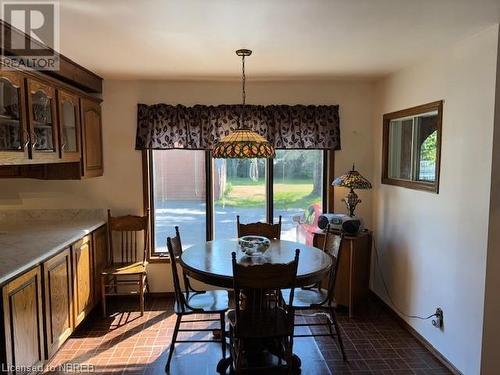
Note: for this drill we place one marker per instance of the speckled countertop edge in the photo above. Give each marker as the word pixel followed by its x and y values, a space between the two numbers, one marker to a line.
pixel 21 248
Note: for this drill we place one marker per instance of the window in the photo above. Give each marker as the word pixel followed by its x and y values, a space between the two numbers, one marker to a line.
pixel 178 197
pixel 203 196
pixel 298 187
pixel 411 147
pixel 239 189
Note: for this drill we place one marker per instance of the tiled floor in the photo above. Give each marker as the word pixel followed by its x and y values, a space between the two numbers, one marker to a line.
pixel 126 343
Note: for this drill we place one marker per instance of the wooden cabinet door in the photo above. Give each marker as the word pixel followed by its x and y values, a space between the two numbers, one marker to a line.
pixel 92 156
pixel 14 136
pixel 83 278
pixel 42 122
pixel 58 300
pixel 69 125
pixel 23 320
pixel 100 242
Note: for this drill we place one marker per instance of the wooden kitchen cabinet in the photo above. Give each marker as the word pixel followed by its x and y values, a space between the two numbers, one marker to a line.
pixel 69 126
pixel 23 321
pixel 83 278
pixel 92 156
pixel 352 285
pixel 41 118
pixel 42 121
pixel 100 243
pixel 14 136
pixel 58 300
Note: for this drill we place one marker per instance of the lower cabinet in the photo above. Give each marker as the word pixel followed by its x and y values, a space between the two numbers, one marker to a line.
pixel 83 278
pixel 58 288
pixel 31 331
pixel 23 322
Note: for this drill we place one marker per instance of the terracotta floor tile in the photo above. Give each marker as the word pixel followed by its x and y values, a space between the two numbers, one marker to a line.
pixel 126 343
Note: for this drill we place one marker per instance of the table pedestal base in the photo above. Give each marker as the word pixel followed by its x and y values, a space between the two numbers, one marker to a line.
pixel 225 363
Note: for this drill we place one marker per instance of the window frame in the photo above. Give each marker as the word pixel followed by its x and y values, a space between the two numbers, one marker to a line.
pixel 148 198
pixel 412 112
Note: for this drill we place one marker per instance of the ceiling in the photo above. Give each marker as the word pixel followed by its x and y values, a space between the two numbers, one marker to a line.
pixel 196 39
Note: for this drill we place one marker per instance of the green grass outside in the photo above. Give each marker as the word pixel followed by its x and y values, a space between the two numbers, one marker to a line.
pixel 245 181
pixel 251 194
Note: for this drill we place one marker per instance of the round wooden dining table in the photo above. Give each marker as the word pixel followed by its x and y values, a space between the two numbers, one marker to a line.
pixel 211 263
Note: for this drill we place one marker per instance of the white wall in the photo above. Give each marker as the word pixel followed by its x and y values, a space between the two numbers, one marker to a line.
pixel 491 329
pixel 121 186
pixel 433 246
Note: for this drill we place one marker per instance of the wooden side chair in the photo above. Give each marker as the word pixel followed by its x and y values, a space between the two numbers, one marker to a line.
pixel 317 298
pixel 262 320
pixel 190 301
pixel 271 231
pixel 127 261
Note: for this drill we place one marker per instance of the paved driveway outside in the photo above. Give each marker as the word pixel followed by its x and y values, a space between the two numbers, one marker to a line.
pixel 190 217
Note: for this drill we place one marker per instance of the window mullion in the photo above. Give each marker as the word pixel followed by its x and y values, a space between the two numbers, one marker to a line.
pixel 209 196
pixel 269 190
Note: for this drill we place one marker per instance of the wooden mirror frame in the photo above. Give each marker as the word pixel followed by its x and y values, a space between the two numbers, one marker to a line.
pixel 414 111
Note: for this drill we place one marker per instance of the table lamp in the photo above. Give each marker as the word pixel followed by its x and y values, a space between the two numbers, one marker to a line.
pixel 352 180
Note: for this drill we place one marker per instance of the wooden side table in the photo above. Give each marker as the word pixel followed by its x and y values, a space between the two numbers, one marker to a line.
pixel 352 288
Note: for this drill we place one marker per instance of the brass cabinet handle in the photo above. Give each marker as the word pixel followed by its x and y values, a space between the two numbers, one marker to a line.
pixel 34 140
pixel 26 140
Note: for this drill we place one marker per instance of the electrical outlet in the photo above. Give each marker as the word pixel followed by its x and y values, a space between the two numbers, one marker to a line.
pixel 438 320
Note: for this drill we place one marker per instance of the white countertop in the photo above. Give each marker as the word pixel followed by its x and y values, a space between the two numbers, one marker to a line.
pixel 26 242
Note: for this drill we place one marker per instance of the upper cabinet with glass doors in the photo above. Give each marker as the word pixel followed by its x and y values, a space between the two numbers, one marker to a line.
pixel 69 126
pixel 14 137
pixel 42 121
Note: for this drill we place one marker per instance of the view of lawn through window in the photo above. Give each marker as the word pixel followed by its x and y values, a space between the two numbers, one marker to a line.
pixel 298 188
pixel 239 188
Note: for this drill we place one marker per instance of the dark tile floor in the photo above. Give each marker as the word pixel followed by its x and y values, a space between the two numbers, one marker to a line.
pixel 126 343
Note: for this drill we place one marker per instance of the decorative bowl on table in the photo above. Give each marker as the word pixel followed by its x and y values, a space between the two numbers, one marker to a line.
pixel 254 245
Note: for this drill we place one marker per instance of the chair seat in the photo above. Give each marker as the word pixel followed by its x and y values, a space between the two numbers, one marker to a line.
pixel 305 298
pixel 211 301
pixel 273 324
pixel 125 269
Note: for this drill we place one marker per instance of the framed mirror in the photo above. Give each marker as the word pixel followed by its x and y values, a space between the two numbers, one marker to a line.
pixel 412 147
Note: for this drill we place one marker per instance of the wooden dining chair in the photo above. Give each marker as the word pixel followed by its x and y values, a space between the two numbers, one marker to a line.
pixel 271 231
pixel 261 319
pixel 125 273
pixel 317 298
pixel 190 302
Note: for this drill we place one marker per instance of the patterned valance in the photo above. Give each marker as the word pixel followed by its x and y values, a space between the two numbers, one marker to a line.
pixel 164 126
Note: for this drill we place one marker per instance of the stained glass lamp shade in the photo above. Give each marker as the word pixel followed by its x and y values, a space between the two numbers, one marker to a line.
pixel 243 143
pixel 352 180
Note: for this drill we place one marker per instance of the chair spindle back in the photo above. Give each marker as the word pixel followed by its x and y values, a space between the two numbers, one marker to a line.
pixel 333 247
pixel 271 231
pixel 174 247
pixel 127 231
pixel 259 279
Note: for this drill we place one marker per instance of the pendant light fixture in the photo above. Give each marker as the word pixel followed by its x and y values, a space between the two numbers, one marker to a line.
pixel 243 143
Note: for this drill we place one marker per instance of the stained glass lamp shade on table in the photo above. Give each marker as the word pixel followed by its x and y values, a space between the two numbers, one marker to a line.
pixel 352 180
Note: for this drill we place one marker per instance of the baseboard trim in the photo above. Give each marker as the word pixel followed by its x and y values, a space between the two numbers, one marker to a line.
pixel 417 335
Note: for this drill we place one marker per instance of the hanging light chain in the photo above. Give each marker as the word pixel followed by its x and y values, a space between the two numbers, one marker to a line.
pixel 243 80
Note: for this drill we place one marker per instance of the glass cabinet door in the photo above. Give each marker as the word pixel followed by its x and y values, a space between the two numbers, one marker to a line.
pixel 44 142
pixel 13 136
pixel 69 126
